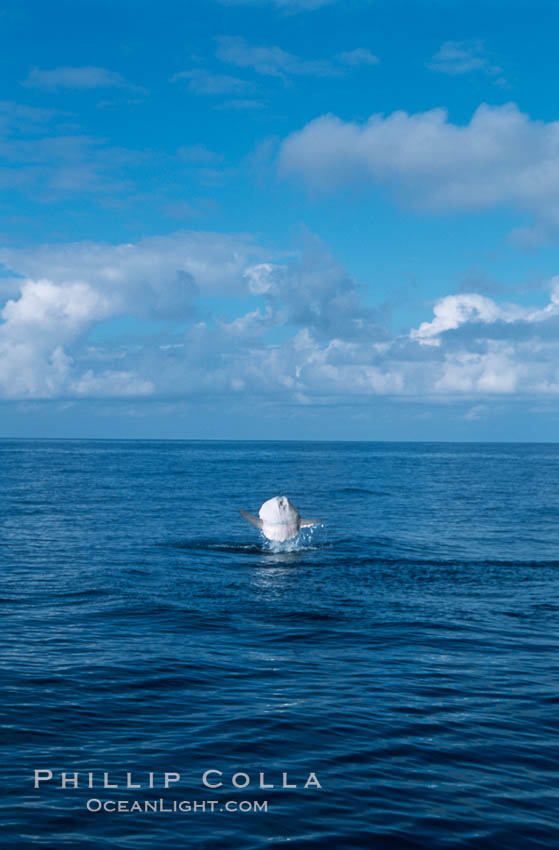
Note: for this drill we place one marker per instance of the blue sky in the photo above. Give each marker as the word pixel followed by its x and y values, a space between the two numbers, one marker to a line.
pixel 279 219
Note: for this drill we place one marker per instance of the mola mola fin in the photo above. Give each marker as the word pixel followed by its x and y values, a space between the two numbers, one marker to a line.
pixel 254 520
pixel 306 523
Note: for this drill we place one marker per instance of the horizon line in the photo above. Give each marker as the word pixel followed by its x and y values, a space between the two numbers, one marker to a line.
pixel 279 440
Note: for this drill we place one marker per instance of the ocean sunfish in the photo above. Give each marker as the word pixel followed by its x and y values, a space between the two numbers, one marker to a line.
pixel 278 519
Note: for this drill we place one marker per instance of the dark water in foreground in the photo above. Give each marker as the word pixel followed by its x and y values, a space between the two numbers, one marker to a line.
pixel 407 653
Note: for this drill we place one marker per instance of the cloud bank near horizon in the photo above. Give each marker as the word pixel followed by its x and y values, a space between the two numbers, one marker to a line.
pixel 296 331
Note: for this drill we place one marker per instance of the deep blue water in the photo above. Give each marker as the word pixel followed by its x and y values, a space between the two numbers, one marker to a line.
pixel 407 652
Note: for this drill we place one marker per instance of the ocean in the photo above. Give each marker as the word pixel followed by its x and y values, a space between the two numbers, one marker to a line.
pixel 401 659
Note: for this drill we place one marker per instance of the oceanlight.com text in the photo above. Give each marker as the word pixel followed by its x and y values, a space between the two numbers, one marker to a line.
pixel 183 806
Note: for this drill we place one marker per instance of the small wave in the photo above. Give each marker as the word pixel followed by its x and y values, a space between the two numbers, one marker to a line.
pixel 363 491
pixel 406 561
pixel 214 546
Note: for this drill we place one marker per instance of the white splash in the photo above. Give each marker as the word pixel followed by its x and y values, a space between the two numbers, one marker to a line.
pixel 302 542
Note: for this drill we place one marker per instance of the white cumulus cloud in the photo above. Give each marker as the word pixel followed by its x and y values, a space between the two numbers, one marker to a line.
pixel 500 156
pixel 453 311
pixel 65 290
